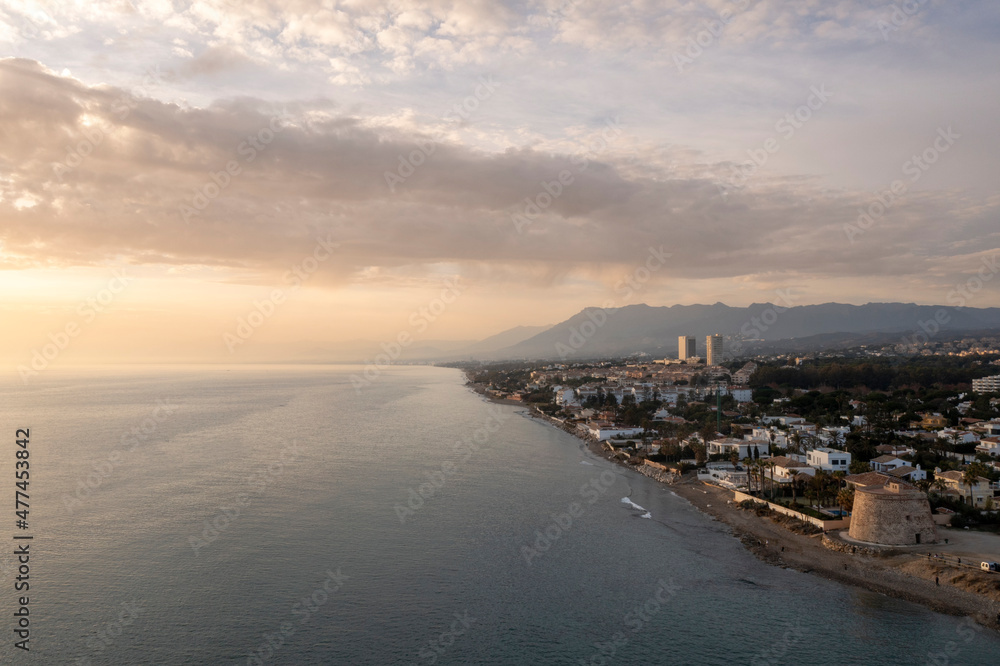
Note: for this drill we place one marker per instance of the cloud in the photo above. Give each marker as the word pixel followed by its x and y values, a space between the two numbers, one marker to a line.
pixel 214 61
pixel 112 175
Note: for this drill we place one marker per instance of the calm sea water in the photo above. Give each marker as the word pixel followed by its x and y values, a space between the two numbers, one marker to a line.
pixel 275 515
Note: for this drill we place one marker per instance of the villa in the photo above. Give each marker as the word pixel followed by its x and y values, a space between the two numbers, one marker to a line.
pixel 831 460
pixel 744 447
pixel 887 463
pixel 980 491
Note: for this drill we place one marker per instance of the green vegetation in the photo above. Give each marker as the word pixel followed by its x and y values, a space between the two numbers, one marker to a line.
pixel 887 374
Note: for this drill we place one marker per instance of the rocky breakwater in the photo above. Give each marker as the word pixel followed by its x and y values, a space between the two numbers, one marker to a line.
pixel 655 470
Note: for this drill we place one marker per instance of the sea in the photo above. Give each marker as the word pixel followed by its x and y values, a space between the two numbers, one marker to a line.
pixel 310 515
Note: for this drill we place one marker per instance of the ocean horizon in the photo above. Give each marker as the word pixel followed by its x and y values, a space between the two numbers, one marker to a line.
pixel 283 515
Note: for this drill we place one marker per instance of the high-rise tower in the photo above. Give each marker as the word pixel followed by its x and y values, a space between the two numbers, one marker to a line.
pixel 713 353
pixel 686 347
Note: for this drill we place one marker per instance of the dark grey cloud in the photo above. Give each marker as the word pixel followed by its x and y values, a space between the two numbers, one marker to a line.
pixel 309 170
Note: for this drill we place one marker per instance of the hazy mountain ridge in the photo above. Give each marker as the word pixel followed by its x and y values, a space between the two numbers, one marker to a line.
pixel 594 332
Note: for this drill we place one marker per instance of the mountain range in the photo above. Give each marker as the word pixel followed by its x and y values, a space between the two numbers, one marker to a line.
pixel 596 332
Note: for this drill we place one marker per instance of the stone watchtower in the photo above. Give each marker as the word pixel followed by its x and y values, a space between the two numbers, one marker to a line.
pixel 895 514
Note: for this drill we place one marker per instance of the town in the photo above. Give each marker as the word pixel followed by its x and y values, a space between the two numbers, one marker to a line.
pixel 872 455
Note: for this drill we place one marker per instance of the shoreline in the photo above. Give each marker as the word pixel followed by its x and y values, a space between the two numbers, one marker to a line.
pixel 906 576
pixel 894 575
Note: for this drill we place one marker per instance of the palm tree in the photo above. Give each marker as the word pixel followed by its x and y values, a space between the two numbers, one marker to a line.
pixel 939 485
pixel 811 494
pixel 796 485
pixel 796 440
pixel 770 464
pixel 759 473
pixel 746 465
pixel 954 436
pixel 845 498
pixel 971 477
pixel 819 485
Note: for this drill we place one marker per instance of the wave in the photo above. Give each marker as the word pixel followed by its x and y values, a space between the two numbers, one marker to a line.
pixel 635 506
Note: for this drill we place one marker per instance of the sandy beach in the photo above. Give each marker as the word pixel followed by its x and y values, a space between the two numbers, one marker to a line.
pixel 901 573
pixel 907 576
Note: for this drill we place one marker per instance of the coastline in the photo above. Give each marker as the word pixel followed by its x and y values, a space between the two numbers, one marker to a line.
pixel 904 575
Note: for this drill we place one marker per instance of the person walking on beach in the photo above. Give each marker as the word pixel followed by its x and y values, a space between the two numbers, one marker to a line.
pixel 937 581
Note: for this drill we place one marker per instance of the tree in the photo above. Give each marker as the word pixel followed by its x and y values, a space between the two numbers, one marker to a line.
pixel 707 432
pixel 939 485
pixel 796 440
pixel 953 437
pixel 859 467
pixel 747 465
pixel 770 464
pixel 820 484
pixel 796 484
pixel 845 498
pixel 700 454
pixel 971 477
pixel 811 494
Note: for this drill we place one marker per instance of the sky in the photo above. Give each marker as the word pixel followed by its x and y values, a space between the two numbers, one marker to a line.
pixel 358 171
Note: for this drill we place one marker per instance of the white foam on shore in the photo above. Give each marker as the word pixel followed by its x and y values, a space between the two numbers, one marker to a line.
pixel 635 506
pixel 584 462
pixel 646 515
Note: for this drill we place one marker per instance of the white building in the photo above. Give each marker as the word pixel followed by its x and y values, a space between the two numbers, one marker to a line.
pixel 741 394
pixel 990 446
pixel 603 431
pixel 565 396
pixel 785 420
pixel 786 468
pixel 669 397
pixel 686 348
pixel 908 473
pixel 742 376
pixel 989 384
pixel 833 434
pixel 887 463
pixel 714 345
pixel 831 460
pixel 724 474
pixel 777 437
pixel 743 447
pixel 961 436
